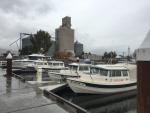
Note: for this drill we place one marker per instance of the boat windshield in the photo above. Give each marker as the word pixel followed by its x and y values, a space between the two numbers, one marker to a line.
pixel 75 67
pixel 50 64
pixel 55 64
pixel 34 57
pixel 95 70
pixel 103 72
pixel 83 68
pixel 61 64
pixel 115 73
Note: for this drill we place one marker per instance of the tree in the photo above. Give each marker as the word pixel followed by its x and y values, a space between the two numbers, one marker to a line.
pixel 68 54
pixel 110 55
pixel 114 54
pixel 105 55
pixel 60 54
pixel 41 39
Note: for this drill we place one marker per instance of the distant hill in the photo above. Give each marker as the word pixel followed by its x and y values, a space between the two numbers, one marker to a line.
pixel 5 50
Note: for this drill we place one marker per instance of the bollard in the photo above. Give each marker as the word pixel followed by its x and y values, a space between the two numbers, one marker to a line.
pixel 39 72
pixel 143 76
pixel 9 64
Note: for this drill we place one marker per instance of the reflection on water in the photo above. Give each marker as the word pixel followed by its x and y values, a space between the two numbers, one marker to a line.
pixel 8 86
pixel 33 76
pixel 116 103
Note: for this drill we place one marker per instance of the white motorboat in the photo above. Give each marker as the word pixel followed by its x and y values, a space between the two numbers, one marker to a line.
pixel 24 62
pixel 104 79
pixel 71 71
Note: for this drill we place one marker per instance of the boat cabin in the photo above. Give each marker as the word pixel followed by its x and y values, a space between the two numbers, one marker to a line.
pixel 110 73
pixel 56 63
pixel 39 63
pixel 79 67
pixel 36 57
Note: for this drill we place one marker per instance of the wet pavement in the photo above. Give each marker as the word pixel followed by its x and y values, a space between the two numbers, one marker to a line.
pixel 19 97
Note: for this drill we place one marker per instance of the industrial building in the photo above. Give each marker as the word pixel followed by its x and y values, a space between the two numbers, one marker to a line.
pixel 78 48
pixel 64 36
pixel 52 49
pixel 64 40
pixel 26 42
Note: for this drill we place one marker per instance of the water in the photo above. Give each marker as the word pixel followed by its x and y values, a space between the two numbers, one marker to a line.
pixel 116 103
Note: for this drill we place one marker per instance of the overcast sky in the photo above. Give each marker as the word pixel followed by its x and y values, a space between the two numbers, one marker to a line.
pixel 101 25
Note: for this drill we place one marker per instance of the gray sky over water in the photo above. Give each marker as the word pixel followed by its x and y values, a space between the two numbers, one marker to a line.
pixel 101 25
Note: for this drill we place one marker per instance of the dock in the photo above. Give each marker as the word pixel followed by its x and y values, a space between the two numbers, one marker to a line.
pixel 18 95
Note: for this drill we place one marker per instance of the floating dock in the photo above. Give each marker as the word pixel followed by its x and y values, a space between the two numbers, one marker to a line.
pixel 17 95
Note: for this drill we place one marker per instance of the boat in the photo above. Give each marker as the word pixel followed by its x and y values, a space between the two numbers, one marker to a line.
pixel 46 65
pixel 22 63
pixel 104 79
pixel 3 64
pixel 70 71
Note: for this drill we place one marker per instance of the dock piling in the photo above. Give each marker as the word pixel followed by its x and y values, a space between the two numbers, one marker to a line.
pixel 9 64
pixel 39 76
pixel 143 76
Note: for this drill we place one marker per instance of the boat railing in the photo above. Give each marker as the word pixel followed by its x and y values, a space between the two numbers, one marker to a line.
pixel 3 63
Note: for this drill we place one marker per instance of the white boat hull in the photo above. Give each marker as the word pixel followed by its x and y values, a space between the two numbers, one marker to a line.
pixel 90 88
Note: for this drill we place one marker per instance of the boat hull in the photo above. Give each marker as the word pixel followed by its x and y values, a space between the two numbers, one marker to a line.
pixel 91 88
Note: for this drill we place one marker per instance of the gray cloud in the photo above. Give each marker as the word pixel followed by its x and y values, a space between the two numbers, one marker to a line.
pixel 25 8
pixel 97 23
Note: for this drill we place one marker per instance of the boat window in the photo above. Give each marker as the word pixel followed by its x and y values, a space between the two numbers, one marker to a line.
pixel 91 70
pixel 95 70
pixel 86 68
pixel 103 72
pixel 35 57
pixel 75 67
pixel 125 73
pixel 118 73
pixel 70 67
pixel 45 63
pixel 81 68
pixel 55 64
pixel 61 64
pixel 115 73
pixel 39 63
pixel 50 64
